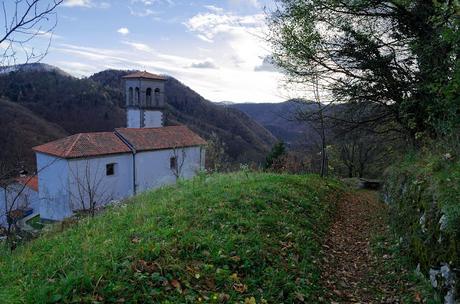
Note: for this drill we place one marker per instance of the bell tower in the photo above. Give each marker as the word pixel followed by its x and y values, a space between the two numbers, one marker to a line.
pixel 144 100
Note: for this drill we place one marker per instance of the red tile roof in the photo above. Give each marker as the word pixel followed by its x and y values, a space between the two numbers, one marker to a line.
pixel 145 75
pixel 29 181
pixel 147 139
pixel 85 145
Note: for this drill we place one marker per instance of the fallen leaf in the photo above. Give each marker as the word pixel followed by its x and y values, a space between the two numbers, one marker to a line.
pixel 240 287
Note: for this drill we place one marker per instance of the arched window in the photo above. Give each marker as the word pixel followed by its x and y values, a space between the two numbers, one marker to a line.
pixel 130 96
pixel 157 97
pixel 137 96
pixel 148 94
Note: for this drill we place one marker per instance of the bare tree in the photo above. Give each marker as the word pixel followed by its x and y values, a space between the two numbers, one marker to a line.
pixel 90 192
pixel 25 21
pixel 216 158
pixel 316 119
pixel 177 161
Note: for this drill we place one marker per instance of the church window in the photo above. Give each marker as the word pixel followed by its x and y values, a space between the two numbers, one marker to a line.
pixel 110 169
pixel 173 163
pixel 137 96
pixel 148 94
pixel 157 96
pixel 131 96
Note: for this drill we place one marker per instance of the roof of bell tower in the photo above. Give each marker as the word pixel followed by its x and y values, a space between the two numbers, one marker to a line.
pixel 144 75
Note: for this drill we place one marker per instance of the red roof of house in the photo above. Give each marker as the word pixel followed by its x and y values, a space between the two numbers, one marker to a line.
pixel 85 145
pixel 145 75
pixel 147 139
pixel 106 143
pixel 29 181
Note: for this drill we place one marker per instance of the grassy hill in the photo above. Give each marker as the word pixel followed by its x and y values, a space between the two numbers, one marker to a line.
pixel 239 238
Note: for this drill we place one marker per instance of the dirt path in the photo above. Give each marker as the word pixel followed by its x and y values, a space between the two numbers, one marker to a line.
pixel 349 268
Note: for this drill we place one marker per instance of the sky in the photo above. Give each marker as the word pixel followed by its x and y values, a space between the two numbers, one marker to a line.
pixel 214 47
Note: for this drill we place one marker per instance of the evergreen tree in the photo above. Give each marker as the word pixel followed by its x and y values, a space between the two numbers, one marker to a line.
pixel 277 151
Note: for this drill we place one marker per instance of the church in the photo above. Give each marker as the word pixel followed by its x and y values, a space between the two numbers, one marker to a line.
pixel 90 170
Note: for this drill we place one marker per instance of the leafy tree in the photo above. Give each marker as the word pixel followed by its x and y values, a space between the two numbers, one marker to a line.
pixel 277 151
pixel 397 58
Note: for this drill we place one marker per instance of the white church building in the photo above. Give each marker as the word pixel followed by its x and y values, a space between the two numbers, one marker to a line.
pixel 87 169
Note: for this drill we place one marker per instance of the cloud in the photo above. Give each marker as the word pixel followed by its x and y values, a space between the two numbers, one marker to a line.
pixel 139 46
pixel 208 25
pixel 74 3
pixel 123 30
pixel 268 65
pixel 151 2
pixel 236 38
pixel 207 64
pixel 214 8
pixel 86 3
pixel 143 13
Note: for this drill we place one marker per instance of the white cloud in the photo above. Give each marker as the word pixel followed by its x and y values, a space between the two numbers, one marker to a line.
pixel 237 39
pixel 207 64
pixel 139 46
pixel 86 3
pixel 151 2
pixel 143 13
pixel 74 3
pixel 210 24
pixel 215 9
pixel 123 30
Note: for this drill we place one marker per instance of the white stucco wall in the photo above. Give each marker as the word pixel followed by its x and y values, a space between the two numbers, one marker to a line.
pixel 89 175
pixel 153 119
pixel 150 119
pixel 153 167
pixel 133 118
pixel 64 183
pixel 53 174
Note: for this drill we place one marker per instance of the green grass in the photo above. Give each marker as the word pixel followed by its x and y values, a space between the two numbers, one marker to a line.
pixel 222 238
pixel 36 223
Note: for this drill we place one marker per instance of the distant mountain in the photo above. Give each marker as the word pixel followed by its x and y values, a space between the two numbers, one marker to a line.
pixel 279 119
pixel 32 67
pixel 68 105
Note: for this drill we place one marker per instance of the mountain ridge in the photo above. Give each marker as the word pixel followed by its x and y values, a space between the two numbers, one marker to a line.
pixel 96 103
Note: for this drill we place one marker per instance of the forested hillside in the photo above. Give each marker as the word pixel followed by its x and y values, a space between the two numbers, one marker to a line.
pixel 96 104
pixel 20 129
pixel 279 119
